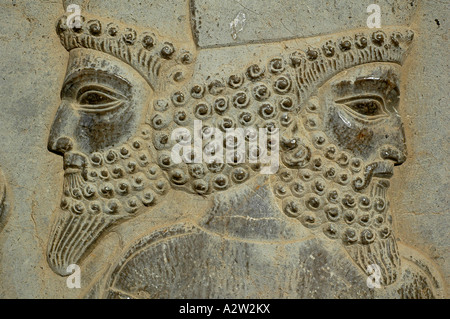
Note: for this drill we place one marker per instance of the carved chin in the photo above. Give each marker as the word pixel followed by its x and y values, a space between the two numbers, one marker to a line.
pixel 109 189
pixel 71 238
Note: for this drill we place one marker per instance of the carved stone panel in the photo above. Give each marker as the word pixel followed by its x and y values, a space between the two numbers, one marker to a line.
pixel 228 149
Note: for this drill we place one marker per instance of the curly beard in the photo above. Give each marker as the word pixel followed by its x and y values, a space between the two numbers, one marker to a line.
pixel 110 187
pixel 322 187
pixel 329 191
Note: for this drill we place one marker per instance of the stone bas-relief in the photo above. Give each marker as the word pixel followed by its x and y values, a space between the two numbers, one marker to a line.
pixel 311 230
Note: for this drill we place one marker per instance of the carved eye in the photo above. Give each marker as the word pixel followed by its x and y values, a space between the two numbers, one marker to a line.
pixel 94 98
pixel 98 99
pixel 368 106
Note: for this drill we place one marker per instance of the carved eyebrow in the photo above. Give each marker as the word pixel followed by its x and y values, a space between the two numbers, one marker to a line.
pixel 380 83
pixel 364 85
pixel 346 100
pixel 91 76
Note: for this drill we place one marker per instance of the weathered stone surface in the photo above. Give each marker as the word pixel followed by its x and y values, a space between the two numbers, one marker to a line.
pixel 344 107
pixel 3 202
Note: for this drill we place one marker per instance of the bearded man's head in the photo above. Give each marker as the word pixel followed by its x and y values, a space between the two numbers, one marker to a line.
pixel 333 102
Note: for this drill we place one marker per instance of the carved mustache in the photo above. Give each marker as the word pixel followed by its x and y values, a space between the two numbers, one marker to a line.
pixel 377 169
pixel 74 160
pixel 384 169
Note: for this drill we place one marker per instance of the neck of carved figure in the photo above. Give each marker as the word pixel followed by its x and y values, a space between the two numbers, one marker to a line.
pixel 249 212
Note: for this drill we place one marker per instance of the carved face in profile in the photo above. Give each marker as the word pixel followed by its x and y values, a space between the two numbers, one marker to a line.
pixel 337 114
pixel 103 105
pixel 103 102
pixel 361 113
pixel 348 138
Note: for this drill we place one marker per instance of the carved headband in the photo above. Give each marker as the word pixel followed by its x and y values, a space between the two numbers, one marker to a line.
pixel 146 51
pixel 152 56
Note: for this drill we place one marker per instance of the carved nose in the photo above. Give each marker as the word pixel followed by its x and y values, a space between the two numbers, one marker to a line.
pixel 60 146
pixel 394 154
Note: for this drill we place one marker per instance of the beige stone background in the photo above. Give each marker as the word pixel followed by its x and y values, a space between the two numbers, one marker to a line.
pixel 32 66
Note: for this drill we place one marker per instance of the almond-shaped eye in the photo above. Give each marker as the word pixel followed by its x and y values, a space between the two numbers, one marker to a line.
pixel 98 99
pixel 368 106
pixel 95 98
